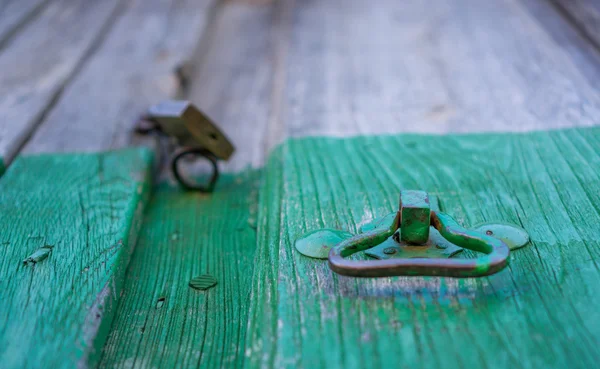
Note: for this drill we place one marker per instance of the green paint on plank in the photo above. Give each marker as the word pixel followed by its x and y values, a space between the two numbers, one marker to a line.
pixel 279 309
pixel 379 223
pixel 515 237
pixel 317 244
pixel 528 315
pixel 184 234
pixel 57 314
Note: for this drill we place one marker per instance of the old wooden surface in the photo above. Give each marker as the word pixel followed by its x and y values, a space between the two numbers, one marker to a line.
pixel 15 14
pixel 526 316
pixel 331 73
pixel 203 234
pixel 585 14
pixel 134 67
pixel 57 312
pixel 162 322
pixel 80 74
pixel 37 62
pixel 269 71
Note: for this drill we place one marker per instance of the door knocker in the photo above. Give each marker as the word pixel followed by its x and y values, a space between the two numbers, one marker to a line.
pixel 415 241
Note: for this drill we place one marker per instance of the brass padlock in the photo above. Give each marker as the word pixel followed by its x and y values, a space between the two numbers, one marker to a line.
pixel 195 135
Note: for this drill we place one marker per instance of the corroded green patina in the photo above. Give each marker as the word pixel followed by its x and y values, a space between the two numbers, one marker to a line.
pixel 514 236
pixel 403 243
pixel 414 216
pixel 436 247
pixel 496 251
pixel 316 244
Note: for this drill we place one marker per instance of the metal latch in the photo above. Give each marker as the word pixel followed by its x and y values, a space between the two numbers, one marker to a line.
pixel 415 241
pixel 195 135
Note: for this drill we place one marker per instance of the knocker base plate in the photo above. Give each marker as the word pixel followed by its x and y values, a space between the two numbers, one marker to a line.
pixel 436 247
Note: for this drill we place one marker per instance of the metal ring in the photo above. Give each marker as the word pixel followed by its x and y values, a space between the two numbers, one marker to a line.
pixel 190 186
pixel 496 251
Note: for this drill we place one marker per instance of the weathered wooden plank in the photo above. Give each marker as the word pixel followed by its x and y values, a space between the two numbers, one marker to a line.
pixel 527 316
pixel 134 68
pixel 15 14
pixel 38 62
pixel 88 208
pixel 386 67
pixel 348 68
pixel 341 73
pixel 161 321
pixel 234 80
pixel 585 14
pixel 357 68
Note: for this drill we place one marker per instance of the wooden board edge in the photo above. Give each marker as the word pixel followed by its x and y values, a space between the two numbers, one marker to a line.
pixel 107 301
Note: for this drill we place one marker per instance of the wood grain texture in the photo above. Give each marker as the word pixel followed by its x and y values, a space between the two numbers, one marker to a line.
pixel 527 316
pixel 234 79
pixel 162 321
pixel 459 66
pixel 585 14
pixel 57 312
pixel 352 68
pixel 348 68
pixel 134 68
pixel 38 62
pixel 94 111
pixel 16 14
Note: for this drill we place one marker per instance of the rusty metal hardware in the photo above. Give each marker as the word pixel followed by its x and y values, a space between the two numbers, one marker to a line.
pixel 416 241
pixel 413 221
pixel 194 134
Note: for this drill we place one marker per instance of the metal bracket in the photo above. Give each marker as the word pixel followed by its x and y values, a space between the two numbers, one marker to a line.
pixel 417 240
pixel 195 134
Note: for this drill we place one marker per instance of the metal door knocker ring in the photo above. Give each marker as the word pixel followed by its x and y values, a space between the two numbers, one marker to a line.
pixel 416 240
pixel 183 181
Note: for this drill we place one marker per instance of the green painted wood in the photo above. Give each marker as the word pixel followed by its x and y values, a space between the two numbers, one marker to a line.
pixel 275 308
pixel 57 307
pixel 162 322
pixel 540 312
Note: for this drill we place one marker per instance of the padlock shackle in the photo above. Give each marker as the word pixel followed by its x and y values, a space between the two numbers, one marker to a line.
pixel 496 251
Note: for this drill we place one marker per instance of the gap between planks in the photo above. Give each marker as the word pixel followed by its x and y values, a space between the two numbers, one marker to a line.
pixel 39 64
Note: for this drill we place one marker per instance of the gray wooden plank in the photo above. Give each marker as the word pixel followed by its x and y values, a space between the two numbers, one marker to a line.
pixel 585 14
pixel 39 61
pixel 344 68
pixel 233 83
pixel 15 14
pixel 459 66
pixel 134 68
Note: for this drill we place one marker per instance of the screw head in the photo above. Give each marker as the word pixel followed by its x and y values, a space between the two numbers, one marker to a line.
pixel 389 251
